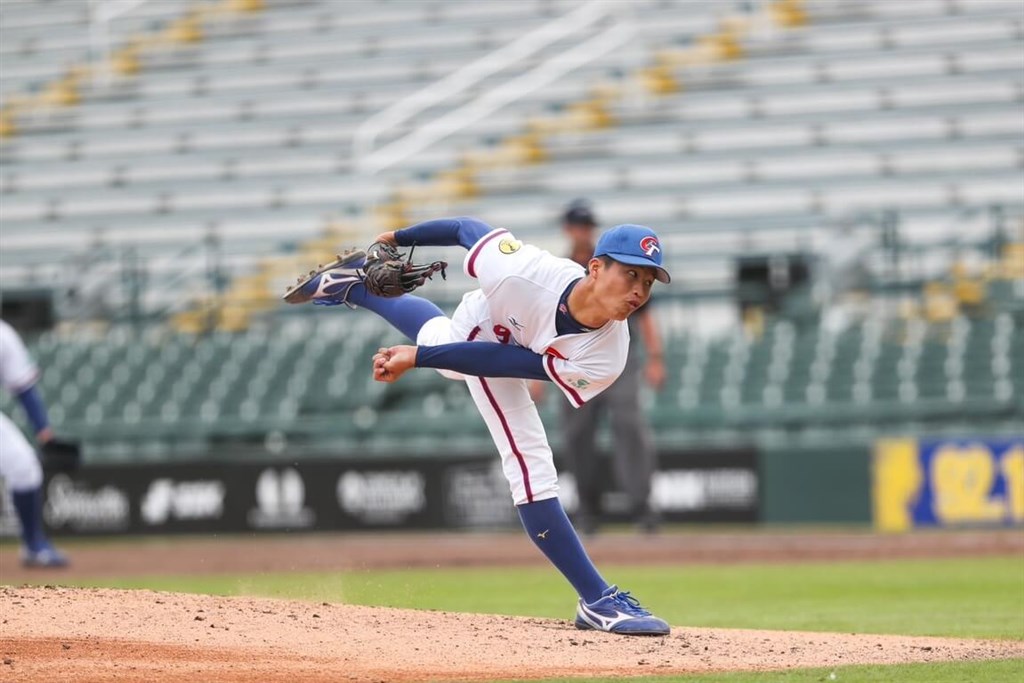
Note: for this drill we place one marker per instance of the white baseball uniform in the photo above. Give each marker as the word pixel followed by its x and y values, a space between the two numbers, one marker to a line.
pixel 520 289
pixel 19 466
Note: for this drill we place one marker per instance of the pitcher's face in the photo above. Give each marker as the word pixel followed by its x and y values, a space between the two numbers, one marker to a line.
pixel 621 288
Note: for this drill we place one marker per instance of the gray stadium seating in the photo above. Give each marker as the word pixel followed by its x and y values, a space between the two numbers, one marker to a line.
pixel 246 136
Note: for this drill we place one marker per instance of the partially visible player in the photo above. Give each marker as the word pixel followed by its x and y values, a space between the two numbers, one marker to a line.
pixel 19 464
pixel 535 316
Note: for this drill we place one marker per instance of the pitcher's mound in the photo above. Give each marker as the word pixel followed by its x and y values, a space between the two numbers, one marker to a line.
pixel 106 635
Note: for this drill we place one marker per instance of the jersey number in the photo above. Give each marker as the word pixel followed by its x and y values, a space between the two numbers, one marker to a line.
pixel 503 334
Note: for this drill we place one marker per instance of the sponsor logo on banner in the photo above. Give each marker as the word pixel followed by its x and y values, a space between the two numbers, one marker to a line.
pixel 280 500
pixel 184 500
pixel 948 482
pixel 476 495
pixel 382 497
pixel 568 492
pixel 443 491
pixel 711 489
pixel 78 506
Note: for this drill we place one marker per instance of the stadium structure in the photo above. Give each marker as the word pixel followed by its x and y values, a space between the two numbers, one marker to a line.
pixel 838 184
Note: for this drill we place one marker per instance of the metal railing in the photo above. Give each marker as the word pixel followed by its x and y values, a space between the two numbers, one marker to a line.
pixel 368 160
pixel 102 14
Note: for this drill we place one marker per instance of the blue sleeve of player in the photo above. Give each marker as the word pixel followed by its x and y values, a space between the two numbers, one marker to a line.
pixel 32 402
pixel 443 232
pixel 483 359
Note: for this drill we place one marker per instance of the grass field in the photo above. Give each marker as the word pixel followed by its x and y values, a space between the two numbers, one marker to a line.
pixel 970 598
pixel 952 597
pixel 1005 671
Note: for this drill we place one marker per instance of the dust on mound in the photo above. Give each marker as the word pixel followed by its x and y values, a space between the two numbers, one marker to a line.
pixel 110 635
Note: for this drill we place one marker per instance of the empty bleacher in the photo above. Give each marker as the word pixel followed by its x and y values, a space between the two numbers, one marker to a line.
pixel 232 139
pixel 247 133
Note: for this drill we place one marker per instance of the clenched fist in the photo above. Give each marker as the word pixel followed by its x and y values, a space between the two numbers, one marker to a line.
pixel 391 363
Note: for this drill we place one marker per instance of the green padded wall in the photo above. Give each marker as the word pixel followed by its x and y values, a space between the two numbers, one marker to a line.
pixel 822 484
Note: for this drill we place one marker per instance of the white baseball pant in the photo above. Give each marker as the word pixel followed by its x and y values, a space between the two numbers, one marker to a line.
pixel 504 402
pixel 19 466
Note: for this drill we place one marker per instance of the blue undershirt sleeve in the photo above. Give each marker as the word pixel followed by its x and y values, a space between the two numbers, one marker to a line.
pixel 32 402
pixel 483 359
pixel 443 232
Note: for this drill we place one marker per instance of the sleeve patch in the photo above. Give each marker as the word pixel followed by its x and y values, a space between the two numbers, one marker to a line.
pixel 509 246
pixel 474 253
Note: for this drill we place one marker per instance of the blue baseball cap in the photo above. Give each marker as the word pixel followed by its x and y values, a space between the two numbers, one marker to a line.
pixel 636 245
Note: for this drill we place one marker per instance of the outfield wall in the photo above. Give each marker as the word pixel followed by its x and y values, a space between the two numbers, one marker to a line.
pixel 816 484
pixel 440 492
pixel 898 485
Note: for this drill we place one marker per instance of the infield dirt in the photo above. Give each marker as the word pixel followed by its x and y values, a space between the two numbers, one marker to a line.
pixel 85 634
pixel 62 634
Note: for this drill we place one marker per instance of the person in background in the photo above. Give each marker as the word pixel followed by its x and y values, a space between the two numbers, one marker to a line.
pixel 634 458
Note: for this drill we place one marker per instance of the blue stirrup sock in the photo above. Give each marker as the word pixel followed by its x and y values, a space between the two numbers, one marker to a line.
pixel 407 313
pixel 29 507
pixel 550 529
pixel 35 409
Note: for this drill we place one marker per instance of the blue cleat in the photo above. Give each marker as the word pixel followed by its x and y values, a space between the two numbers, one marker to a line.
pixel 328 285
pixel 45 557
pixel 619 612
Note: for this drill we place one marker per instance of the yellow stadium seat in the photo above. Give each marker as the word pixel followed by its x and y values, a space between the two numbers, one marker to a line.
pixel 8 128
pixel 789 13
pixel 459 183
pixel 188 29
pixel 659 80
pixel 125 62
pixel 241 6
pixel 62 93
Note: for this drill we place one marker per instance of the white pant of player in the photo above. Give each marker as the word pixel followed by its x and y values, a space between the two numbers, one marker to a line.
pixel 19 466
pixel 504 403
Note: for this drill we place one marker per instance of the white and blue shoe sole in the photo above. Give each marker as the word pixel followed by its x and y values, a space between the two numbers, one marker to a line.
pixel 623 625
pixel 310 287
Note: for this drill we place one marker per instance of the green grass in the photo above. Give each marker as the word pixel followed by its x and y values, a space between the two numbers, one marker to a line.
pixel 952 597
pixel 1002 671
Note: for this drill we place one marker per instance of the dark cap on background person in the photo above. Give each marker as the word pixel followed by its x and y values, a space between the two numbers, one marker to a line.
pixel 579 212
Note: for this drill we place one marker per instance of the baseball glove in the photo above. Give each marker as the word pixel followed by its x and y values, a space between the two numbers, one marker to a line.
pixel 387 274
pixel 58 455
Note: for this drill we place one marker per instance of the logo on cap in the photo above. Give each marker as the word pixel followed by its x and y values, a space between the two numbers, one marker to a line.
pixel 649 245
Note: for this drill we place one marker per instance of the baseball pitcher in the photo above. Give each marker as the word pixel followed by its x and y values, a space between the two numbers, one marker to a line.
pixel 535 316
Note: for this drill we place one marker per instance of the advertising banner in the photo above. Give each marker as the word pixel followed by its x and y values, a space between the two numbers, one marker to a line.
pixel 688 486
pixel 964 482
pixel 380 493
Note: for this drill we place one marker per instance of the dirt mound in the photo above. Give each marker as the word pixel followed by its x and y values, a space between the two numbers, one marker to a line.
pixel 108 635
